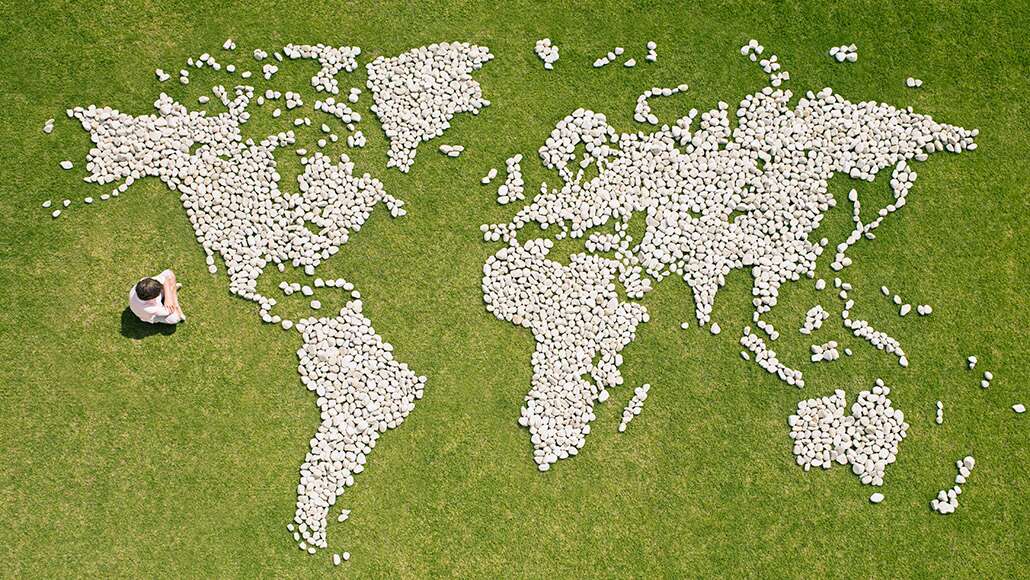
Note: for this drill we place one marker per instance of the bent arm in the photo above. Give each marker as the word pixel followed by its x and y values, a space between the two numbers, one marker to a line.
pixel 170 295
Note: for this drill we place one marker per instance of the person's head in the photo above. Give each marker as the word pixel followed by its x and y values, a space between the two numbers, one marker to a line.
pixel 148 289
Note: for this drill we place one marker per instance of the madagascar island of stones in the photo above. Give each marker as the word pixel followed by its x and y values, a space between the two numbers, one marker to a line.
pixel 463 289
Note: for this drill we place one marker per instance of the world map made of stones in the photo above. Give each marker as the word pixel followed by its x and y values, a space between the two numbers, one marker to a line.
pixel 714 199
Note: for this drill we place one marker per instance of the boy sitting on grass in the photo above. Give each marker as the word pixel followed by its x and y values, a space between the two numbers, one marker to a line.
pixel 155 300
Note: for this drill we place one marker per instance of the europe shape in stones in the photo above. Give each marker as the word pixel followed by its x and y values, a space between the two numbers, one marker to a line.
pixel 230 190
pixel 714 199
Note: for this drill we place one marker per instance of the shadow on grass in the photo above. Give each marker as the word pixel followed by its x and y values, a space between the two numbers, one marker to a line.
pixel 133 327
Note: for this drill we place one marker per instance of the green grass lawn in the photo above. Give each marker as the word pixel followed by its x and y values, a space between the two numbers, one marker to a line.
pixel 176 454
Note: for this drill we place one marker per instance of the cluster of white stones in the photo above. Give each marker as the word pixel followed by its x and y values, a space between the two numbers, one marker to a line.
pixel 490 175
pixel 331 59
pixel 986 381
pixel 362 391
pixel 295 100
pixel 901 182
pixel 260 54
pixel 642 113
pixel 229 187
pixel 230 190
pixel 946 501
pixel 814 319
pixel 940 413
pixel 767 328
pixel 339 110
pixel 513 188
pixel 356 140
pixel 652 51
pixel 867 439
pixel 845 52
pixel 718 199
pixel 580 328
pixel 862 328
pixel 881 340
pixel 547 52
pixel 752 50
pixel 913 83
pixel 582 127
pixel 451 150
pixel 771 66
pixel 48 126
pixel 161 75
pixel 691 233
pixel 229 44
pixel 418 92
pixel 819 430
pixel 635 406
pixel 344 514
pixel 766 358
pixel 204 59
pixel 610 57
pixel 879 429
pixel 971 361
pixel 825 352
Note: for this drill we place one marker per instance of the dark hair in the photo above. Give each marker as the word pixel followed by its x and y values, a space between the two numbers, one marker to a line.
pixel 148 289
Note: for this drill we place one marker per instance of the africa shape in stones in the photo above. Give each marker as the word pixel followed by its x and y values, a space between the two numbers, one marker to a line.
pixel 230 190
pixel 714 199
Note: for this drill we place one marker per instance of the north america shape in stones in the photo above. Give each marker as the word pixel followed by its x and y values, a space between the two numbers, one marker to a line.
pixel 230 190
pixel 714 200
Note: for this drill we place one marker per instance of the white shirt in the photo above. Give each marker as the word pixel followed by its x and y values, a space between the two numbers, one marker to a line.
pixel 153 311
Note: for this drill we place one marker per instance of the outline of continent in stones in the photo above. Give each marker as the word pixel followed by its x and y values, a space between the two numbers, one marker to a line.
pixel 230 190
pixel 714 200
